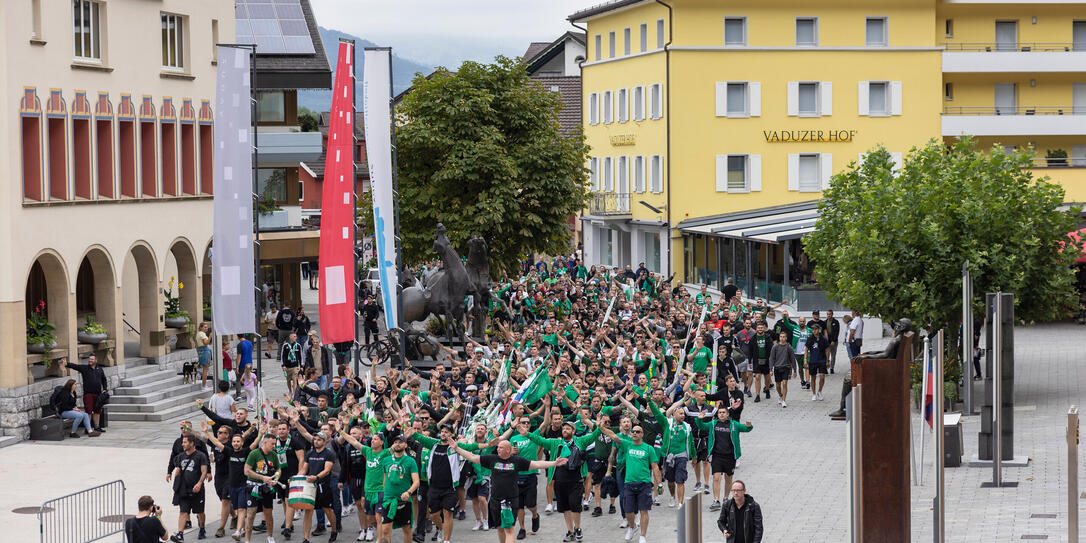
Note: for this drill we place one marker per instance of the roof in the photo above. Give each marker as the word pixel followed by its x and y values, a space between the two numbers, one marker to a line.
pixel 361 169
pixel 569 90
pixel 767 225
pixel 534 49
pixel 359 126
pixel 550 50
pixel 296 71
pixel 603 8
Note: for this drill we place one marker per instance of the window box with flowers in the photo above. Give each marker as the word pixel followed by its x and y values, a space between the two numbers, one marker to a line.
pixel 175 316
pixel 40 333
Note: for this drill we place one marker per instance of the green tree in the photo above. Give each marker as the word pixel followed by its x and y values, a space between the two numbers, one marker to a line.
pixel 892 243
pixel 479 150
pixel 308 121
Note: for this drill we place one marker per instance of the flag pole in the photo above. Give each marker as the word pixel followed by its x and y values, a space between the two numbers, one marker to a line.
pixel 354 206
pixel 396 208
pixel 923 406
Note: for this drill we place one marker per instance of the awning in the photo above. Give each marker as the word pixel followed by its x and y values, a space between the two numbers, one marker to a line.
pixel 766 225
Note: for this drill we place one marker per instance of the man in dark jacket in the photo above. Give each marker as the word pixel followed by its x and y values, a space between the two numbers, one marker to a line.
pixel 94 383
pixel 302 324
pixel 833 327
pixel 740 517
pixel 284 324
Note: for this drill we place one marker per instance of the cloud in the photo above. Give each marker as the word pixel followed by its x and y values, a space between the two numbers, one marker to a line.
pixel 447 32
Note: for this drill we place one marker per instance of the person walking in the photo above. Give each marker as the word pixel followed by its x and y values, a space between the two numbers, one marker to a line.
pixel 758 349
pixel 261 472
pixel 370 311
pixel 569 479
pixel 855 335
pixel 724 442
pixel 203 353
pixel 94 384
pixel 190 471
pixel 401 481
pixel 317 467
pixel 147 526
pixel 302 324
pixel 818 353
pixel 781 358
pixel 284 324
pixel 291 356
pixel 642 472
pixel 740 517
pixel 833 334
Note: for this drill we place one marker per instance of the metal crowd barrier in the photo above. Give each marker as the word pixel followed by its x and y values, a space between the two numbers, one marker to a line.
pixel 84 516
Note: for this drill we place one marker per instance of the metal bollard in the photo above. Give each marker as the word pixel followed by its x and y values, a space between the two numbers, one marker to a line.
pixel 692 511
pixel 1072 474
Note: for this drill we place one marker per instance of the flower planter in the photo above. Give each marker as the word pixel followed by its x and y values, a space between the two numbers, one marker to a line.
pixel 91 339
pixel 39 347
pixel 207 315
pixel 177 322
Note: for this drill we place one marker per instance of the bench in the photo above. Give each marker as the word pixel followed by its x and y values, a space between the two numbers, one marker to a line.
pixel 50 427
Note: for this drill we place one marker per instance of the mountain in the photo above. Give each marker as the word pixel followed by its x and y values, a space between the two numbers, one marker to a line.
pixel 403 71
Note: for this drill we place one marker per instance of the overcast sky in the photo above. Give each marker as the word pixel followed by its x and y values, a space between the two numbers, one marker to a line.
pixel 447 32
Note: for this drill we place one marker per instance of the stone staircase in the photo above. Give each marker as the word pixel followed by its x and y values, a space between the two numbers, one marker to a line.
pixel 153 393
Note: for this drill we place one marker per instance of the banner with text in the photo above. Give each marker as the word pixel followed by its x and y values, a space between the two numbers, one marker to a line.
pixel 233 295
pixel 337 262
pixel 377 96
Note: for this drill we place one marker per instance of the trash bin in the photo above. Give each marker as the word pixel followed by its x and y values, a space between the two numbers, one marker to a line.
pixel 952 440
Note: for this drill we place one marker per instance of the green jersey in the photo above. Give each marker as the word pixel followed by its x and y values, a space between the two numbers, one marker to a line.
pixel 262 464
pixel 704 299
pixel 526 448
pixel 639 461
pixel 762 346
pixel 701 359
pixel 397 472
pixel 375 475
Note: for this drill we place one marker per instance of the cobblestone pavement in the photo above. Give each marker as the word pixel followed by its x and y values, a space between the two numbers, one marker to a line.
pixel 794 464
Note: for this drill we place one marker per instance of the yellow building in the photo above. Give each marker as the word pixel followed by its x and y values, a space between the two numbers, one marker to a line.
pixel 714 127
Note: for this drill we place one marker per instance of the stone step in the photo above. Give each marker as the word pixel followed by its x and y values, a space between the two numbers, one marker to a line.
pixel 131 395
pixel 157 404
pixel 6 441
pixel 136 369
pixel 165 382
pixel 152 377
pixel 178 412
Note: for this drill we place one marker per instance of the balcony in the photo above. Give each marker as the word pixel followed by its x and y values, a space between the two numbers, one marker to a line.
pixel 288 147
pixel 1013 57
pixel 609 203
pixel 1014 121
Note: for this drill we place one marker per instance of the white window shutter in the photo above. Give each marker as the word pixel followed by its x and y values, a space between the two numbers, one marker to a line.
pixel 755 173
pixel 827 169
pixel 614 106
pixel 645 96
pixel 896 157
pixel 863 99
pixel 793 98
pixel 895 97
pixel 722 173
pixel 754 94
pixel 721 99
pixel 793 171
pixel 827 97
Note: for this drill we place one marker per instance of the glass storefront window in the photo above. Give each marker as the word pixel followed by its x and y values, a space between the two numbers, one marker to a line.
pixel 271 107
pixel 272 184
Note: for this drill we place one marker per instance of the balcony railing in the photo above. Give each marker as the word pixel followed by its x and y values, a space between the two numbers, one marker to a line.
pixel 1021 47
pixel 1014 110
pixel 1054 162
pixel 609 203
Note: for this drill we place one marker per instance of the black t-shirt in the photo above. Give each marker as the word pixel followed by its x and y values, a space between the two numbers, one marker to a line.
pixel 144 530
pixel 237 466
pixel 722 440
pixel 440 474
pixel 503 474
pixel 285 449
pixel 221 458
pixel 191 472
pixel 356 464
pixel 315 461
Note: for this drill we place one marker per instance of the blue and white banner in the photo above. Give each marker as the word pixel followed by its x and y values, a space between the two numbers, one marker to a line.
pixel 233 297
pixel 378 120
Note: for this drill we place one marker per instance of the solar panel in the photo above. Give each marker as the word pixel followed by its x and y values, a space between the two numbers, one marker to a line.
pixel 275 26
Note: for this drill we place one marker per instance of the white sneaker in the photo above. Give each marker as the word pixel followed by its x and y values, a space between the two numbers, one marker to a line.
pixel 486 525
pixel 821 397
pixel 784 404
pixel 237 534
pixel 478 526
pixel 369 533
pixel 361 535
pixel 297 515
pixel 206 389
pixel 671 502
pixel 641 540
pixel 271 539
pixel 778 400
pixel 624 524
pixel 549 509
pixel 814 397
pixel 629 534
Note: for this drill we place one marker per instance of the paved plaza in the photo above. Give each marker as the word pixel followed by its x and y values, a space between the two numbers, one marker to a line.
pixel 794 464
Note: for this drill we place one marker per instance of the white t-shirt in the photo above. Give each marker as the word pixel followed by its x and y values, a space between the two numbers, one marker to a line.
pixel 857 325
pixel 221 405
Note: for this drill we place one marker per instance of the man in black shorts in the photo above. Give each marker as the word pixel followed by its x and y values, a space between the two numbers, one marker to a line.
pixel 192 467
pixel 725 439
pixel 758 354
pixel 504 467
pixel 443 474
pixel 818 352
pixel 261 470
pixel 781 358
pixel 318 470
pixel 290 450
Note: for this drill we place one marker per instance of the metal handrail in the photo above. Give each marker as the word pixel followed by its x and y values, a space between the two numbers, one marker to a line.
pixel 129 325
pixel 1022 47
pixel 1014 110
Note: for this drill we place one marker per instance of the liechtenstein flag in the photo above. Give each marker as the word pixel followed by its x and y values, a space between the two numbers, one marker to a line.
pixel 929 394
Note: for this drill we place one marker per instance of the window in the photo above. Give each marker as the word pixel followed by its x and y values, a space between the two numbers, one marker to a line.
pixel 87 38
pixel 270 107
pixel 638 103
pixel 808 99
pixel 31 159
pixel 1006 34
pixel 56 144
pixel 623 106
pixel 611 44
pixel 188 158
pixel 599 47
pixel 173 41
pixel 807 31
pixel 35 15
pixel 876 98
pixel 737 172
pixel 594 173
pixel 126 158
pixel 656 171
pixel 207 161
pixel 644 37
pixel 950 28
pixel 1078 35
pixel 735 31
pixel 876 32
pixel 148 160
pixel 168 138
pixel 656 104
pixel 659 33
pixel 737 100
pixel 808 173
pixel 594 108
pixel 639 173
pixel 626 41
pixel 271 185
pixel 608 179
pixel 608 108
pixel 214 40
pixel 81 158
pixel 103 133
pixel 948 91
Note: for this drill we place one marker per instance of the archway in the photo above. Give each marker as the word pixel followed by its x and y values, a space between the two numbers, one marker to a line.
pixel 180 263
pixel 47 297
pixel 142 315
pixel 96 294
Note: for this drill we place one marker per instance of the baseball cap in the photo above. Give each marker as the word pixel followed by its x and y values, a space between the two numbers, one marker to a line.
pixel 471 388
pixel 478 349
pixel 398 437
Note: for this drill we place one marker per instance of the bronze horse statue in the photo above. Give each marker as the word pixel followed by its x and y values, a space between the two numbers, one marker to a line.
pixel 445 291
pixel 479 275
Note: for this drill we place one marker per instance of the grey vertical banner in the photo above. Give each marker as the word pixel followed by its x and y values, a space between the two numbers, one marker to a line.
pixel 233 304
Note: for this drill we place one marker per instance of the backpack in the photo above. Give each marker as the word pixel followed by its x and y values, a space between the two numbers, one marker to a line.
pixel 54 399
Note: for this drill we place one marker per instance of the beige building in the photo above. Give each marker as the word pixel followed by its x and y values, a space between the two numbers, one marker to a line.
pixel 106 131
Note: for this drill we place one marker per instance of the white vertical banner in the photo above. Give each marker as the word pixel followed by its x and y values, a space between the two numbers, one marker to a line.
pixel 233 297
pixel 377 97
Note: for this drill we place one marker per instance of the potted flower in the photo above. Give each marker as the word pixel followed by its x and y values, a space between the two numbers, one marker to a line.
pixel 207 309
pixel 175 316
pixel 40 336
pixel 93 332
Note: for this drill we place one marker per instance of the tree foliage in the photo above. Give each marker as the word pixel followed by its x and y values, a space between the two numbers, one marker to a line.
pixel 479 150
pixel 892 244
